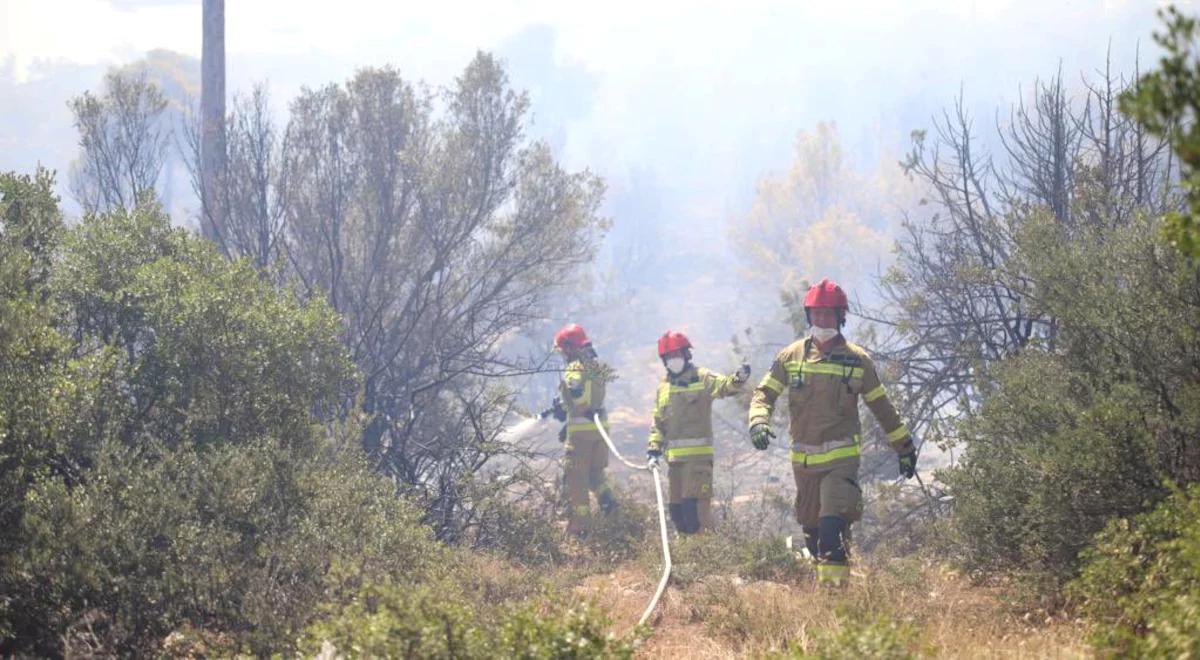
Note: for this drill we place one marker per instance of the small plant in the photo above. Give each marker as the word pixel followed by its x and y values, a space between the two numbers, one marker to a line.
pixel 769 558
pixel 883 638
pixel 438 621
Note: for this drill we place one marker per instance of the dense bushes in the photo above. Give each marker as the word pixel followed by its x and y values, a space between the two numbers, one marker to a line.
pixel 1087 423
pixel 159 463
pixel 439 621
pixel 1141 581
pixel 177 474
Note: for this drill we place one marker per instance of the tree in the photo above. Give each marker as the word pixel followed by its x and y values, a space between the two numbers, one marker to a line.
pixel 31 350
pixel 955 301
pixel 1091 426
pixel 436 236
pixel 162 461
pixel 123 142
pixel 251 188
pixel 1166 103
pixel 819 219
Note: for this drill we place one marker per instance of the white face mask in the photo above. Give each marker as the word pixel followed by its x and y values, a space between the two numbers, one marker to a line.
pixel 676 364
pixel 823 334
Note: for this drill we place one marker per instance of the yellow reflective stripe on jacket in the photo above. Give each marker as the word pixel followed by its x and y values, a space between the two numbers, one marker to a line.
pixel 900 432
pixel 759 411
pixel 582 426
pixel 680 452
pixel 827 368
pixel 770 383
pixel 697 386
pixel 691 442
pixel 874 394
pixel 825 457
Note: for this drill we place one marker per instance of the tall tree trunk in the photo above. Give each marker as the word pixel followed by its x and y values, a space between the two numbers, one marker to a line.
pixel 212 121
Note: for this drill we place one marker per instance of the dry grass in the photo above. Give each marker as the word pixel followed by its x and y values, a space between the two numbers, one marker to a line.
pixel 931 611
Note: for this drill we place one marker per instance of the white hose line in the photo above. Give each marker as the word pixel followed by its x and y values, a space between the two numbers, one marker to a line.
pixel 666 547
pixel 613 448
pixel 652 466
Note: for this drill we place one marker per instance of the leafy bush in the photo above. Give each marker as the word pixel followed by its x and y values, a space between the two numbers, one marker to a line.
pixel 1141 581
pixel 160 465
pixel 624 533
pixel 882 638
pixel 768 558
pixel 437 621
pixel 244 540
pixel 1087 423
pixel 752 558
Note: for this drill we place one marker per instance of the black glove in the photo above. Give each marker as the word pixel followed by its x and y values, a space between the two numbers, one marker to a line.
pixel 562 433
pixel 908 463
pixel 556 409
pixel 760 435
pixel 743 374
pixel 654 454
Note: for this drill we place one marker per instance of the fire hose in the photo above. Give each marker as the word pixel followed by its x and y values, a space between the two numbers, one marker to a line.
pixel 652 467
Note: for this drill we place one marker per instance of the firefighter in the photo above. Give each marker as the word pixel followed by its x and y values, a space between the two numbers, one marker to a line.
pixel 824 376
pixel 682 429
pixel 581 398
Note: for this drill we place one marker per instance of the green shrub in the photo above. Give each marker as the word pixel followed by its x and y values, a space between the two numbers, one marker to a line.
pixel 699 556
pixel 1088 420
pixel 768 558
pixel 1050 460
pixel 438 621
pixel 1141 581
pixel 624 533
pixel 883 638
pixel 243 540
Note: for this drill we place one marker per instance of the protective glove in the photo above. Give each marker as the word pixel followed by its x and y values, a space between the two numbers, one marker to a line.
pixel 743 374
pixel 760 435
pixel 556 409
pixel 908 462
pixel 652 455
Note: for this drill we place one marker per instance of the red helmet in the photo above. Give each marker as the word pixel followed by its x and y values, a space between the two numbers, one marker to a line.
pixel 672 341
pixel 571 338
pixel 826 293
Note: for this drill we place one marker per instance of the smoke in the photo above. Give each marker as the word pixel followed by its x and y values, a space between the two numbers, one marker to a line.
pixel 528 431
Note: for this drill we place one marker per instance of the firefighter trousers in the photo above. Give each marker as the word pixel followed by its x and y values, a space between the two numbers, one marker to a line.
pixel 691 485
pixel 583 472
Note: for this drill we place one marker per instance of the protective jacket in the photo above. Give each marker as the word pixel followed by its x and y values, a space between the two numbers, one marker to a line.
pixel 822 396
pixel 582 390
pixel 682 427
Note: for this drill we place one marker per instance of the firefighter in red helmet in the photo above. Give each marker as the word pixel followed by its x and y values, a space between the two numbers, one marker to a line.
pixel 824 377
pixel 581 398
pixel 682 430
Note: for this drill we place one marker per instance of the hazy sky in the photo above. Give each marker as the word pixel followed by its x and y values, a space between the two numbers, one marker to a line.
pixel 681 106
pixel 714 91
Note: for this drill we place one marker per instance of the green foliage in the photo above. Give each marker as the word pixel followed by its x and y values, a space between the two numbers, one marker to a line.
pixel 437 621
pixel 882 638
pixel 160 463
pixel 768 558
pixel 624 533
pixel 229 538
pixel 210 351
pixel 1141 581
pixel 700 556
pixel 1167 103
pixel 1088 421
